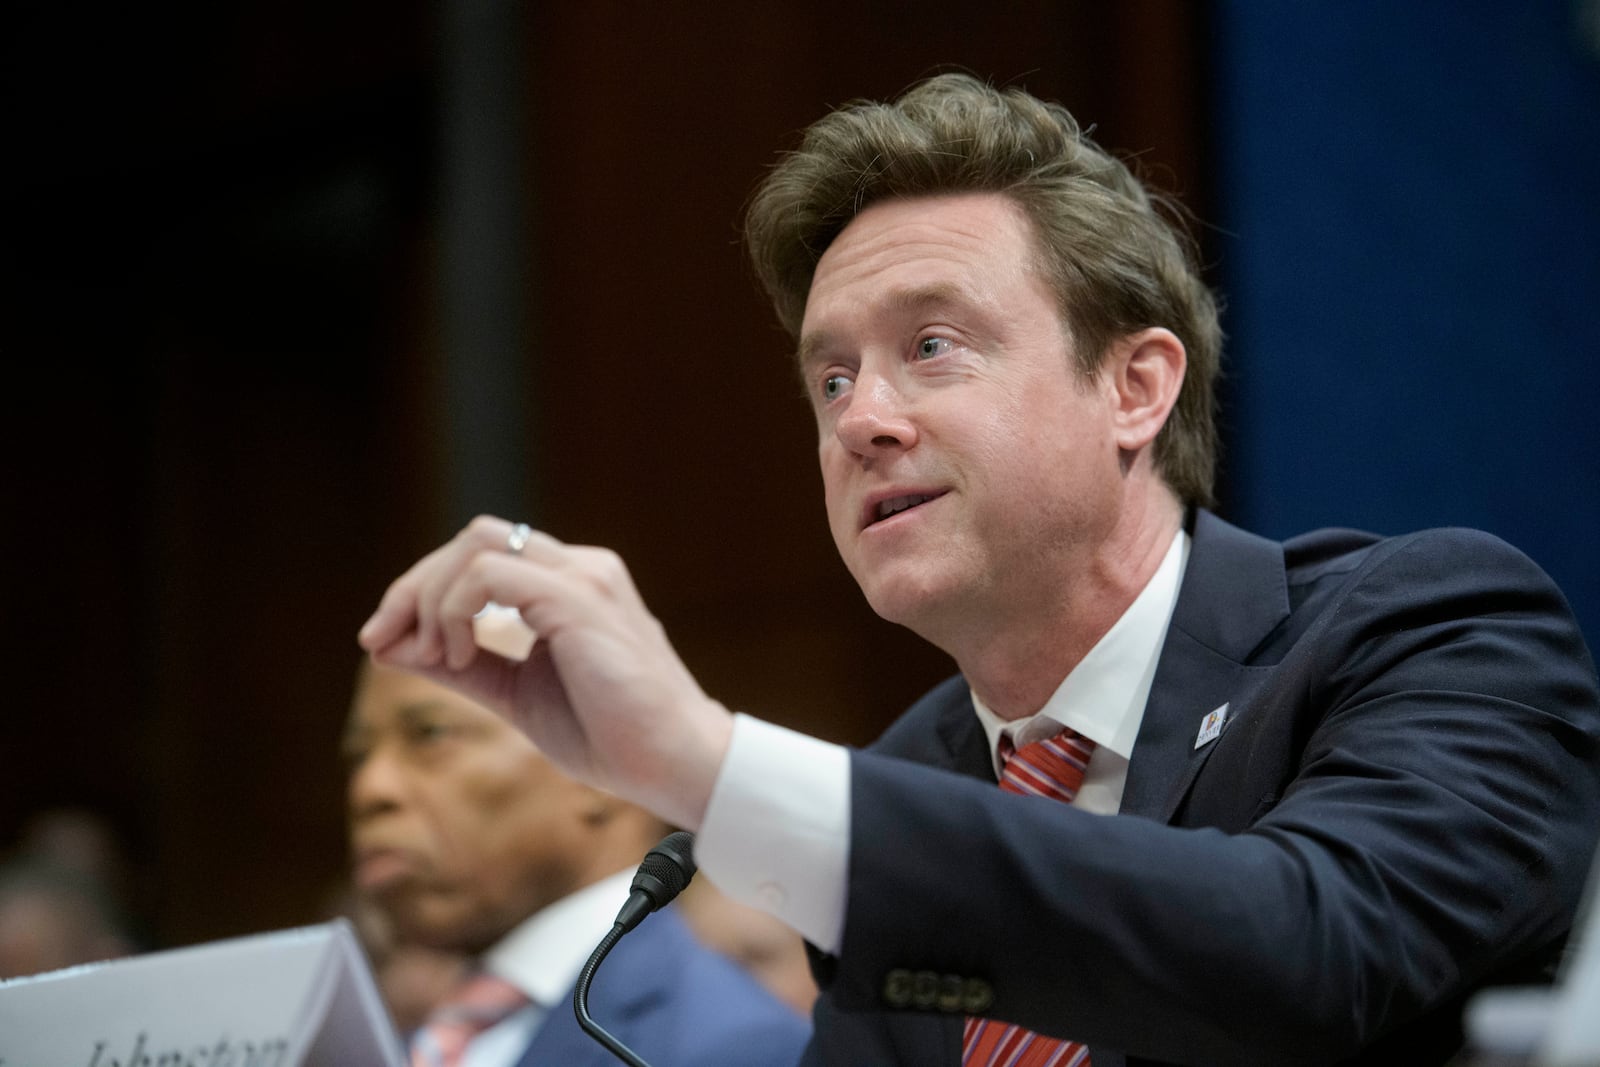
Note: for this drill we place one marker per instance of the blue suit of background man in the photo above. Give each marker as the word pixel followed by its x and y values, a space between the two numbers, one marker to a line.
pixel 675 1003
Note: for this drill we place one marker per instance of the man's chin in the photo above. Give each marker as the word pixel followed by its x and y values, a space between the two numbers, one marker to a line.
pixel 441 927
pixel 912 604
pixel 911 610
pixel 936 615
pixel 464 941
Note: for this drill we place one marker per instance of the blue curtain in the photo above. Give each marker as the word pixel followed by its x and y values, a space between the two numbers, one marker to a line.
pixel 1409 200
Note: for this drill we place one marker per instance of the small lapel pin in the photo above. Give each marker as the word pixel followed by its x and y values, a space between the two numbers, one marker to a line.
pixel 1211 726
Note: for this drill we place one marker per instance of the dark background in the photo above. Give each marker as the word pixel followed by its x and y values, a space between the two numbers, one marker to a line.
pixel 292 290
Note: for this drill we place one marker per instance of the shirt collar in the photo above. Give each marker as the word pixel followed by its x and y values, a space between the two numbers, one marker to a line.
pixel 1103 697
pixel 543 955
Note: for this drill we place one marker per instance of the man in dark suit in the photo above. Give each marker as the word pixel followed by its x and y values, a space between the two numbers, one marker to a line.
pixel 471 842
pixel 1353 780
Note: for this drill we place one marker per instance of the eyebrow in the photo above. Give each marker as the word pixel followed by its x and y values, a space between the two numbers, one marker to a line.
pixel 357 737
pixel 899 302
pixel 359 732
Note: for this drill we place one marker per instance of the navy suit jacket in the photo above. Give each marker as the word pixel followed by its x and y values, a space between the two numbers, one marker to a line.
pixel 1400 809
pixel 675 1003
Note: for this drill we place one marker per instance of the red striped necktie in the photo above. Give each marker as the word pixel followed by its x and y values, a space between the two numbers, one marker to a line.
pixel 1050 768
pixel 477 1004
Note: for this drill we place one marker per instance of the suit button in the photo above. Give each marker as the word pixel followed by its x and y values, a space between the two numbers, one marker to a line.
pixel 924 990
pixel 976 996
pixel 950 993
pixel 897 988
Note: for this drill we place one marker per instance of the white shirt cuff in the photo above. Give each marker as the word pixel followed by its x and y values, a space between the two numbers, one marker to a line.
pixel 776 833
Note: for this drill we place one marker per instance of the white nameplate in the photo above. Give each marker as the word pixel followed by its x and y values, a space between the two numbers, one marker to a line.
pixel 1574 1036
pixel 1547 1026
pixel 298 998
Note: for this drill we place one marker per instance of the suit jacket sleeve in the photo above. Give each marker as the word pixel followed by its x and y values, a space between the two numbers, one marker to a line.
pixel 1401 807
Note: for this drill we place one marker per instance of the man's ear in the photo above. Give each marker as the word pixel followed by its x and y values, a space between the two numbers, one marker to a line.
pixel 1145 370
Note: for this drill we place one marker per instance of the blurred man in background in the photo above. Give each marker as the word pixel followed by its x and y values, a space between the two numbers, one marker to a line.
pixel 52 917
pixel 64 895
pixel 412 978
pixel 472 842
pixel 758 942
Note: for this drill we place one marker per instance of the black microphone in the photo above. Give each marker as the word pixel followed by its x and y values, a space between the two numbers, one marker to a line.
pixel 665 872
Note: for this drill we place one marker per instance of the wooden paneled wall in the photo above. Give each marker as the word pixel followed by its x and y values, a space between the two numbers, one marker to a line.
pixel 225 435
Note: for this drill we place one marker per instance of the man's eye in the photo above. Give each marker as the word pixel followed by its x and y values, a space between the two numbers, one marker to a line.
pixel 424 732
pixel 833 386
pixel 929 347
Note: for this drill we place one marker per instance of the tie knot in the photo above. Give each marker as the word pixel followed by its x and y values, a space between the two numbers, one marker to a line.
pixel 476 1004
pixel 1051 768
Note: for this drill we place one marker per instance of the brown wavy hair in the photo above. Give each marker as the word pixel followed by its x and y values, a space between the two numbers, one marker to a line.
pixel 1118 255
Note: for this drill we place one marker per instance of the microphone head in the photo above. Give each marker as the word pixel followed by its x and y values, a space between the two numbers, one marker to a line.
pixel 666 869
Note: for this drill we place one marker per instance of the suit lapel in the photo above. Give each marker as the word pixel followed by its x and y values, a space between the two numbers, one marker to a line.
pixel 966 746
pixel 626 990
pixel 560 1039
pixel 1234 594
pixel 936 1039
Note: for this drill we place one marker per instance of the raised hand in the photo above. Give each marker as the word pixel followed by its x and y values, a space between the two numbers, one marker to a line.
pixel 603 693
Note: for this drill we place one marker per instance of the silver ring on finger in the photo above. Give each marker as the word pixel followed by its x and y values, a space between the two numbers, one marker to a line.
pixel 517 539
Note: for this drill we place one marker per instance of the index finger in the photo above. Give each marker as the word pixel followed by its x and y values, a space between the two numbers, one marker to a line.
pixel 408 609
pixel 396 615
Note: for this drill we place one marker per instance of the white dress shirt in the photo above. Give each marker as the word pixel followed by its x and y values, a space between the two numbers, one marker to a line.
pixel 542 957
pixel 777 830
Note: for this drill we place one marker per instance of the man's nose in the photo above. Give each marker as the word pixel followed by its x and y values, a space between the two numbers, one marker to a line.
pixel 375 785
pixel 876 417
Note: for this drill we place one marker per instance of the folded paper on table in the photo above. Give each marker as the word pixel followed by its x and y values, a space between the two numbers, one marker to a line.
pixel 295 998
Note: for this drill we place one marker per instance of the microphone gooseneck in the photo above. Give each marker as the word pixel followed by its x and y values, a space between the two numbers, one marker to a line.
pixel 665 872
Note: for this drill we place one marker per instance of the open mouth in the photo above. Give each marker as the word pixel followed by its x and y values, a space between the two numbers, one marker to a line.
pixel 894 505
